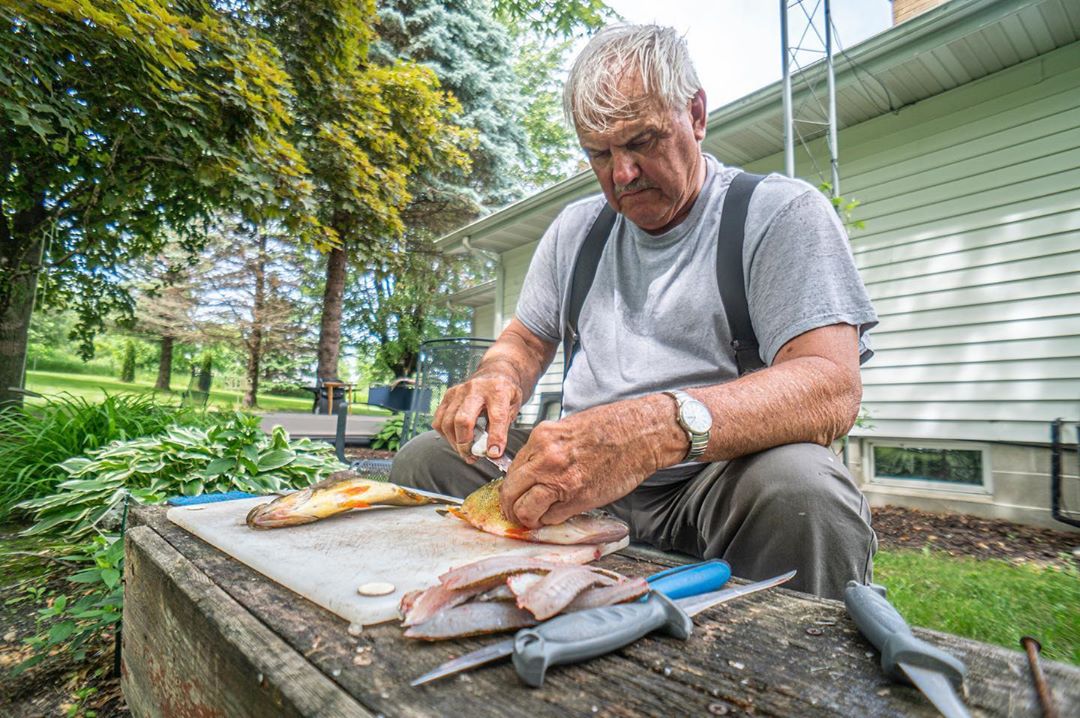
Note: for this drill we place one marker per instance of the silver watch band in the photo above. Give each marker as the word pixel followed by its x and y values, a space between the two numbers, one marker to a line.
pixel 699 441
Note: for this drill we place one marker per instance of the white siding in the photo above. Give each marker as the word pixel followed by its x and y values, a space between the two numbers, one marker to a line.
pixel 971 253
pixel 483 321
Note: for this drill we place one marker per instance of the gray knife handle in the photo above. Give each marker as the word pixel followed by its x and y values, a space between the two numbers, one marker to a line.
pixel 586 634
pixel 880 623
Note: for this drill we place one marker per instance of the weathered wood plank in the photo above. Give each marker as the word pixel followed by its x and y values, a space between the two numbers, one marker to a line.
pixel 779 653
pixel 191 650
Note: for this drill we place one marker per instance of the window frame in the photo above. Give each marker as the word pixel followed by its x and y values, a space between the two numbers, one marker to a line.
pixel 985 489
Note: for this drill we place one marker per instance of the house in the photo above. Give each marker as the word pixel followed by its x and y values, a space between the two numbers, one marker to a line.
pixel 960 135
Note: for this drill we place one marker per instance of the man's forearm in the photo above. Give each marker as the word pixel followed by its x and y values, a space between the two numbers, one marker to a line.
pixel 808 399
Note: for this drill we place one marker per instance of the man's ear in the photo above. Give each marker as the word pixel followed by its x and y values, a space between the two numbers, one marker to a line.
pixel 698 115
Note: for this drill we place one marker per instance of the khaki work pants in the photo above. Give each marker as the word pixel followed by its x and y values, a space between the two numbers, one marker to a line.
pixel 790 507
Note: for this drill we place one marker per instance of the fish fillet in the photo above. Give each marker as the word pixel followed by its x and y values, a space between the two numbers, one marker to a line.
pixel 626 590
pixel 341 491
pixel 556 590
pixel 472 619
pixel 496 567
pixel 481 509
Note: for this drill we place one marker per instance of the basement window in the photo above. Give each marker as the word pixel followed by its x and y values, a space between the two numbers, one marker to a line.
pixel 931 465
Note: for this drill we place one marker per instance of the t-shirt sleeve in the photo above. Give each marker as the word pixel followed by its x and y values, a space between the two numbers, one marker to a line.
pixel 802 276
pixel 538 305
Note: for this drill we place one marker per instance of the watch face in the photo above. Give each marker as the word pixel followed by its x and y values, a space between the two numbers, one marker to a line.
pixel 696 417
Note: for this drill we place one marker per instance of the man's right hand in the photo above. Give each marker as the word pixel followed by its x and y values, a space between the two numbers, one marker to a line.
pixel 489 392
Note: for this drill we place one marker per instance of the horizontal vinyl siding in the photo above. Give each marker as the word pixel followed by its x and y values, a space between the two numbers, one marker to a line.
pixel 483 321
pixel 971 253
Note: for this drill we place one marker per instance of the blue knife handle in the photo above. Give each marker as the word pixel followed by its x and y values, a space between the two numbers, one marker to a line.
pixel 594 632
pixel 880 623
pixel 691 579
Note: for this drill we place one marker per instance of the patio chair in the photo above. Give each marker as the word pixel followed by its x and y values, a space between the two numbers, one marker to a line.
pixel 442 364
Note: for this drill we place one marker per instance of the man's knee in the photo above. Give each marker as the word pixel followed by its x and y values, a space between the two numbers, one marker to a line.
pixel 796 477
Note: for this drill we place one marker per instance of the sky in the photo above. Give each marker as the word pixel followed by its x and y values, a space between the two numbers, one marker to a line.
pixel 735 44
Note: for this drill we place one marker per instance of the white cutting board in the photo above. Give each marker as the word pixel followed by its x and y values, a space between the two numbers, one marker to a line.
pixel 328 560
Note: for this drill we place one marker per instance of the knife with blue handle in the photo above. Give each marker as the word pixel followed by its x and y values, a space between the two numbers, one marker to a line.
pixel 904 657
pixel 678 582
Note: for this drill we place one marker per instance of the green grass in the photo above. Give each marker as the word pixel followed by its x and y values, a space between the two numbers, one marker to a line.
pixel 94 388
pixel 987 600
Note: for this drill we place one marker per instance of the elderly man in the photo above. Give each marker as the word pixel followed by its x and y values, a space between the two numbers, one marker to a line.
pixel 661 425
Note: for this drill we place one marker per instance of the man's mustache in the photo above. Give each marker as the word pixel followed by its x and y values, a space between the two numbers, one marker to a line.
pixel 636 186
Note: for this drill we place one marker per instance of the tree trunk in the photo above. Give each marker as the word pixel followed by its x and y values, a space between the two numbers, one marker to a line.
pixel 330 327
pixel 164 372
pixel 258 318
pixel 20 251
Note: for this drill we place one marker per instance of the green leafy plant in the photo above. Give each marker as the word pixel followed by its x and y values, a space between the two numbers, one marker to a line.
pixel 844 207
pixel 35 439
pixel 235 455
pixel 70 621
pixel 389 436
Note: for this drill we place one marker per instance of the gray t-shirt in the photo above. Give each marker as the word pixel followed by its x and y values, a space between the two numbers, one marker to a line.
pixel 654 320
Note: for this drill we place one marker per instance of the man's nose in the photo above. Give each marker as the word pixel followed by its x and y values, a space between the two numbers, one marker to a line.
pixel 624 168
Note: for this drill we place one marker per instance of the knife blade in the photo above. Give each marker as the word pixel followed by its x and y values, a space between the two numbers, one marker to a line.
pixel 675 582
pixel 904 657
pixel 681 583
pixel 479 446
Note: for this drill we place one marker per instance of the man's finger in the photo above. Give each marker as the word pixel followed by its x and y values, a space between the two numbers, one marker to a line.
pixel 533 504
pixel 559 512
pixel 498 413
pixel 465 420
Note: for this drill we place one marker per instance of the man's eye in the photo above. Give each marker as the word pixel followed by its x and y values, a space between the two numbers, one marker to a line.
pixel 597 154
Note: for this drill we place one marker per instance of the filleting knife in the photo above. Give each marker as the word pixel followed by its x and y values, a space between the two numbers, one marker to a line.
pixel 581 635
pixel 903 656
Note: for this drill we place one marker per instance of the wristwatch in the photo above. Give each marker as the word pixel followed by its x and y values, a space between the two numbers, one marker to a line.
pixel 695 419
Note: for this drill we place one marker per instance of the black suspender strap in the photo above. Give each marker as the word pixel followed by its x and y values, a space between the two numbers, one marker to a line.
pixel 729 274
pixel 729 271
pixel 588 258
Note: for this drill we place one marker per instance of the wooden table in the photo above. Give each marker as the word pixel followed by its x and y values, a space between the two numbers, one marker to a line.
pixel 204 635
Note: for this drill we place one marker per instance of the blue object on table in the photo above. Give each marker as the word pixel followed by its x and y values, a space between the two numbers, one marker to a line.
pixel 691 579
pixel 209 498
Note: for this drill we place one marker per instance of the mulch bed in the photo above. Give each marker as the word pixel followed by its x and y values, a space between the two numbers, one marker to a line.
pixel 962 535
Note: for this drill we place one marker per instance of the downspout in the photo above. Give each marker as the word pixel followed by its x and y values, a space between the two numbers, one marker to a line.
pixel 500 280
pixel 1057 505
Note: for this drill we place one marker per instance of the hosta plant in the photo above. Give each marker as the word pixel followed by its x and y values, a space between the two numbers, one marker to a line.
pixel 235 455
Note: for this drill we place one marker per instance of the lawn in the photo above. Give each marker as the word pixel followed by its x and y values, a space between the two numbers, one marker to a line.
pixel 93 387
pixel 988 600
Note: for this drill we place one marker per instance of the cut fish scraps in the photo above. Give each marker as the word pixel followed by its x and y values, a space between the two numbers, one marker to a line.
pixel 473 599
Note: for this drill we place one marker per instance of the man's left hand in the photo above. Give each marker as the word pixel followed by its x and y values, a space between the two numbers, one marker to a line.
pixel 584 461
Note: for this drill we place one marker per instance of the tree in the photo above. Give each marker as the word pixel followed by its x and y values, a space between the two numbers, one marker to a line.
pixel 363 127
pixel 166 301
pixel 120 119
pixel 246 298
pixel 127 368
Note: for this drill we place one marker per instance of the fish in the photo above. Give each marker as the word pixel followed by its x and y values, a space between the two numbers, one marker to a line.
pixel 422 607
pixel 472 619
pixel 339 492
pixel 483 572
pixel 621 592
pixel 481 510
pixel 556 590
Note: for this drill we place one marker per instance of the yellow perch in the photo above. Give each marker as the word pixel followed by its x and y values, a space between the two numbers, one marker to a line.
pixel 341 491
pixel 481 509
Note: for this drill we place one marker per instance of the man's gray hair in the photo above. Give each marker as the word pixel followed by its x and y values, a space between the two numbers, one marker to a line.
pixel 592 99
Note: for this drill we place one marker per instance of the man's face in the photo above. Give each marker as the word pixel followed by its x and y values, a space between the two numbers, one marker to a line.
pixel 650 166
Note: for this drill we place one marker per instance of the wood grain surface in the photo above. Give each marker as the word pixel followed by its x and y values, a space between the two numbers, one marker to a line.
pixel 778 653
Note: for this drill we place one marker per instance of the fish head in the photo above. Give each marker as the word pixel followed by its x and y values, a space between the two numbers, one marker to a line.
pixel 289 510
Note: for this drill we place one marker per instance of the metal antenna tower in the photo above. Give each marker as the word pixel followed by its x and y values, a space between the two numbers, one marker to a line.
pixel 815 113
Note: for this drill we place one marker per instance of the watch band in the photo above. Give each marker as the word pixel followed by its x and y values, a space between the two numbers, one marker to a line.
pixel 699 440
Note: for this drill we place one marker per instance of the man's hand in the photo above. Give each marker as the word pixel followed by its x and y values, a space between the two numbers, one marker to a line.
pixel 589 459
pixel 502 383
pixel 488 391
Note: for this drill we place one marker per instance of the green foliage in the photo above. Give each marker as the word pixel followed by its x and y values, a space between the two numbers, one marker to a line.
pixel 34 440
pixel 389 436
pixel 987 600
pixel 93 605
pixel 844 207
pixel 555 17
pixel 122 118
pixel 234 455
pixel 127 370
